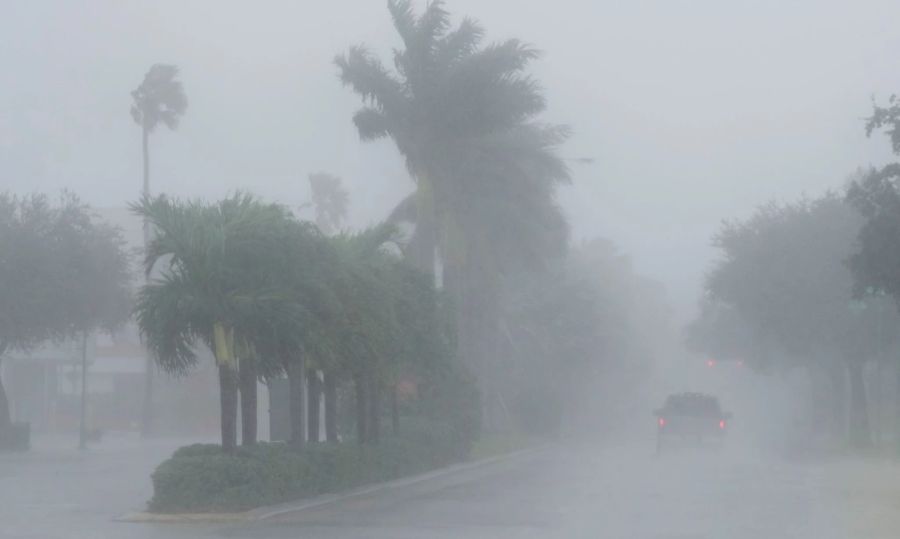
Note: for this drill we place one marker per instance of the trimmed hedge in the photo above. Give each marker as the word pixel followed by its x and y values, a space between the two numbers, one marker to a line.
pixel 200 478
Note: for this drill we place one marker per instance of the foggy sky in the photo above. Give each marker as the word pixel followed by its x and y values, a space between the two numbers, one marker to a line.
pixel 695 111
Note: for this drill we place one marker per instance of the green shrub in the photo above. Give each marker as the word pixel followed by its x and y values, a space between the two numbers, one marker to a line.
pixel 200 478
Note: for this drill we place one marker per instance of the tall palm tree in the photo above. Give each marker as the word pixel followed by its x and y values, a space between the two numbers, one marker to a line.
pixel 463 115
pixel 159 99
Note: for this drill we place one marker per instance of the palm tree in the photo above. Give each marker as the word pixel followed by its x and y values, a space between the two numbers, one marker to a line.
pixel 218 282
pixel 159 99
pixel 363 340
pixel 463 116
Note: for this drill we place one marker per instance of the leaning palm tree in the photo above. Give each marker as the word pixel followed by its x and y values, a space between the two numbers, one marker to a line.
pixel 463 115
pixel 218 278
pixel 159 99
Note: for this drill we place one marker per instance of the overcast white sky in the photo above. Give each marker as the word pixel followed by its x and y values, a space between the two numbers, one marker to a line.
pixel 695 110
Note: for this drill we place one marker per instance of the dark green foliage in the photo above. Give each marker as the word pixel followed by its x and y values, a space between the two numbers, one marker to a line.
pixel 201 478
pixel 876 263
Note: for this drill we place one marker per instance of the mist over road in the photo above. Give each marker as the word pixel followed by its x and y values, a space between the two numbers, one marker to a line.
pixel 568 490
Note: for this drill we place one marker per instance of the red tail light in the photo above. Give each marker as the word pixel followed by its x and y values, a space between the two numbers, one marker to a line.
pixel 722 424
pixel 662 422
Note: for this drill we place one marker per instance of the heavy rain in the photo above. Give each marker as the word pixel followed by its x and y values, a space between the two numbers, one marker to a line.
pixel 450 269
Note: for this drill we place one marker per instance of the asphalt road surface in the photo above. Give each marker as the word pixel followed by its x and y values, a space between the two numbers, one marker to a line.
pixel 577 490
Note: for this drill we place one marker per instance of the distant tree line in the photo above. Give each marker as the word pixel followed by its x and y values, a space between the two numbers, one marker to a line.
pixel 814 284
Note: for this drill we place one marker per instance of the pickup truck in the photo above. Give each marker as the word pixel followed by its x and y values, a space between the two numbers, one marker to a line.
pixel 692 416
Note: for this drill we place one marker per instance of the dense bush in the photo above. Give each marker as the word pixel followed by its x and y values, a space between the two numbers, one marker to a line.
pixel 201 478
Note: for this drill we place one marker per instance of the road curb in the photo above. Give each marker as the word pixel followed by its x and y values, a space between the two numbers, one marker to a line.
pixel 272 511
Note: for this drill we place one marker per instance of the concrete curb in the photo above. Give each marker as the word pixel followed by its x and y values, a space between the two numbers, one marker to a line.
pixel 272 511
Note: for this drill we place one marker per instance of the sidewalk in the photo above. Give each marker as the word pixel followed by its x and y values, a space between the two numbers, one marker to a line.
pixel 57 491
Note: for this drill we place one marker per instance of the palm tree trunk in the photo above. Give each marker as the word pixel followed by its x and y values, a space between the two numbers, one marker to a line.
pixel 248 371
pixel 228 392
pixel 296 382
pixel 147 411
pixel 860 435
pixel 424 244
pixel 315 396
pixel 362 417
pixel 395 410
pixel 374 410
pixel 330 384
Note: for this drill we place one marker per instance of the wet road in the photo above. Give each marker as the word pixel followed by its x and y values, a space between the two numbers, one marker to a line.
pixel 625 492
pixel 573 490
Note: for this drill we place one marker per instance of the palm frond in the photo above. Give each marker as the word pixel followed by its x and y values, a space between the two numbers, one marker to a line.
pixel 404 18
pixel 367 76
pixel 171 319
pixel 371 124
pixel 458 44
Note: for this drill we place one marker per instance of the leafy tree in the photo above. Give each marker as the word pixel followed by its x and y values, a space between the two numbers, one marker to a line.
pixel 784 271
pixel 875 263
pixel 463 116
pixel 159 99
pixel 887 118
pixel 64 274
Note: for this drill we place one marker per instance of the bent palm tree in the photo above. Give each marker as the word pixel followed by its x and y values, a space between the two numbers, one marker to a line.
pixel 159 99
pixel 463 116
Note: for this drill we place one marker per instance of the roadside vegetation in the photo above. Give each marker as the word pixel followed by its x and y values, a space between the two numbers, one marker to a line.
pixel 813 285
